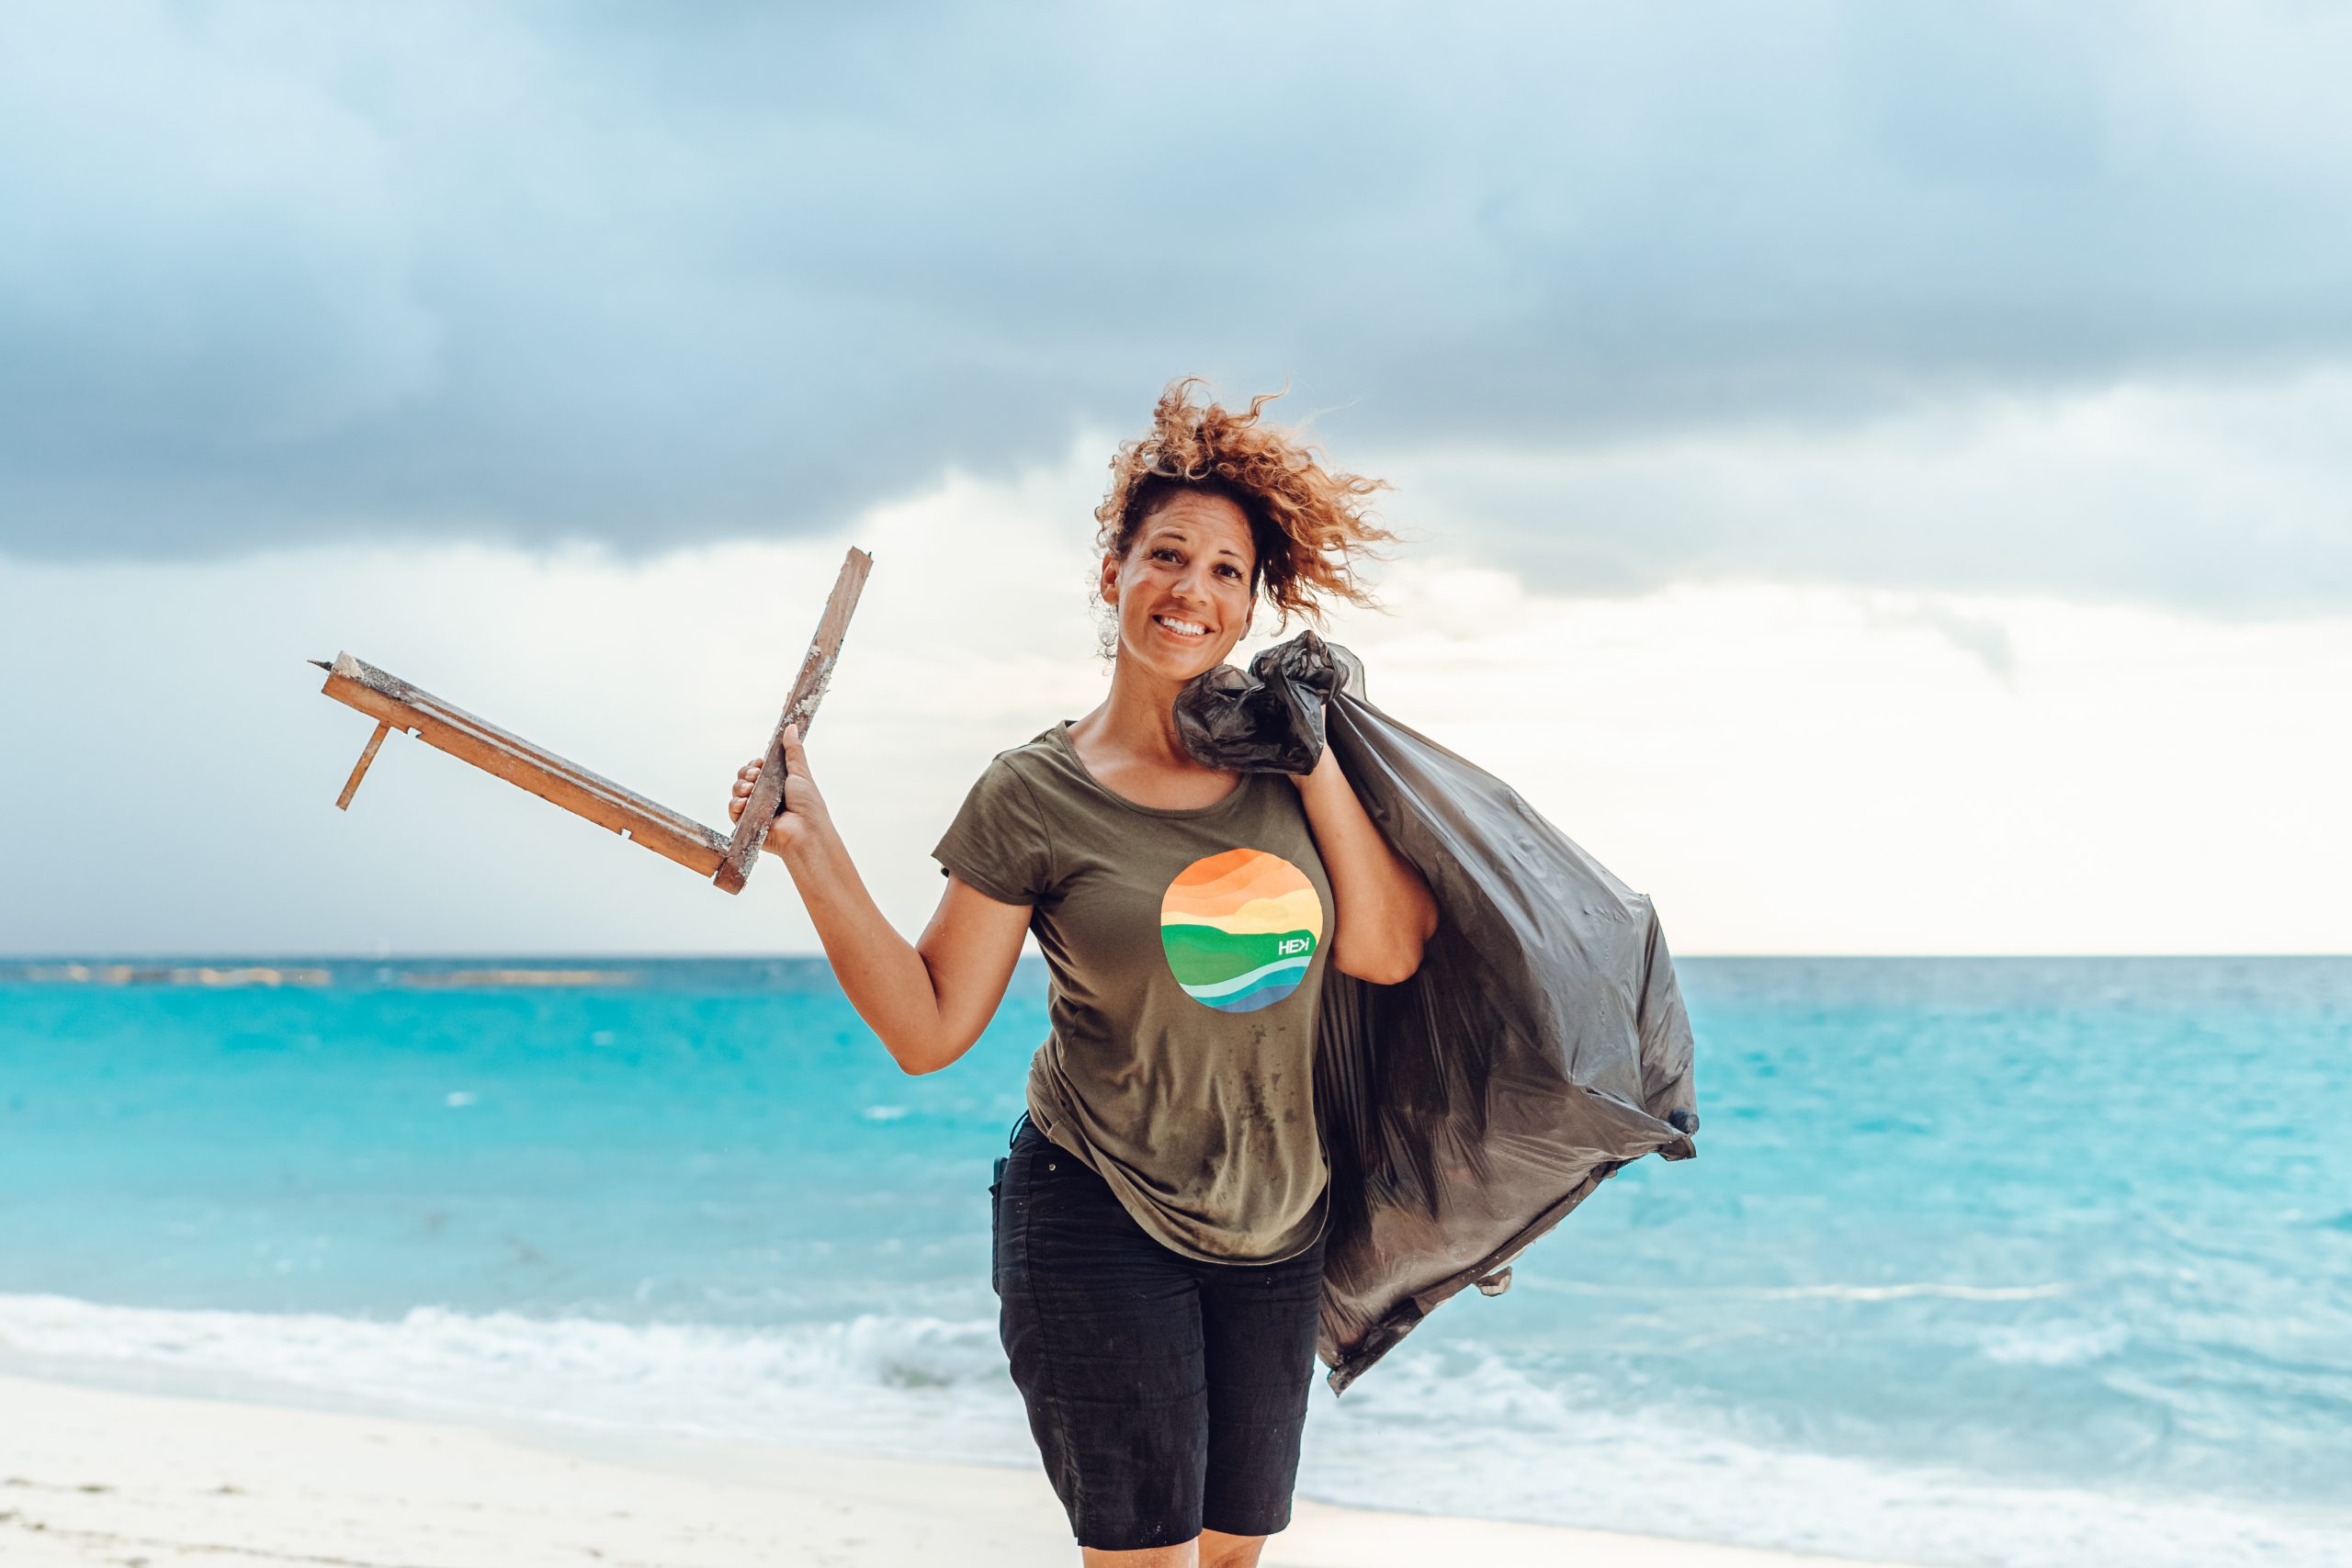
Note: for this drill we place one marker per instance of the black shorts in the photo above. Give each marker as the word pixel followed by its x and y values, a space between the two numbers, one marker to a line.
pixel 1167 1394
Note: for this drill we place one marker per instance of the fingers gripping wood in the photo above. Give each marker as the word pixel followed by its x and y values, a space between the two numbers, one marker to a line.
pixel 808 690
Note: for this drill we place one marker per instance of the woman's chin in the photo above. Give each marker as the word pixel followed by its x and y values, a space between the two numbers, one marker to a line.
pixel 1176 664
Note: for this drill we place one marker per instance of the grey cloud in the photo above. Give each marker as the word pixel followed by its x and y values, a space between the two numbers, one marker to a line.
pixel 2227 499
pixel 653 277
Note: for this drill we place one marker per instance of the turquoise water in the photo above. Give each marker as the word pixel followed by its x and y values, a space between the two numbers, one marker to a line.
pixel 1982 1261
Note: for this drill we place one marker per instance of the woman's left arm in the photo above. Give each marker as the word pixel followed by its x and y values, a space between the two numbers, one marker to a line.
pixel 1386 912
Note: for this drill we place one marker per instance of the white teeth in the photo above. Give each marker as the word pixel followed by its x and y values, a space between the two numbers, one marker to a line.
pixel 1187 627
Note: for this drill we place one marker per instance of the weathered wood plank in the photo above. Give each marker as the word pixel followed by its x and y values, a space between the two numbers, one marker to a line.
pixel 808 690
pixel 360 768
pixel 391 700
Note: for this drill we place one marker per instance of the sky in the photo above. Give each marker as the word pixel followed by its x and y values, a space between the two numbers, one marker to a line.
pixel 1877 476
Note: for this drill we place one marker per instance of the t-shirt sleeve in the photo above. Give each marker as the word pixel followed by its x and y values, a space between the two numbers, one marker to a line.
pixel 998 842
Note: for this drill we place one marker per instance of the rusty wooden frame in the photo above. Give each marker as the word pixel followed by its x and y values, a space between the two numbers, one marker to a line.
pixel 800 708
pixel 726 860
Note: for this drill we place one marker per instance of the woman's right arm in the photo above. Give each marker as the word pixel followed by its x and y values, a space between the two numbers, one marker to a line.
pixel 930 1000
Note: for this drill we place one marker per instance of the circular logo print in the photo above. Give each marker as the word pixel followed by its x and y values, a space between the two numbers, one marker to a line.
pixel 1239 928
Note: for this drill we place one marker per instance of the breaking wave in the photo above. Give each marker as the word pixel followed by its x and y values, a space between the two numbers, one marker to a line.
pixel 1437 1431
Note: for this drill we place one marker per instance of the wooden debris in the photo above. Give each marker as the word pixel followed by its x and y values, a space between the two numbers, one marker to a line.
pixel 799 708
pixel 392 702
pixel 359 769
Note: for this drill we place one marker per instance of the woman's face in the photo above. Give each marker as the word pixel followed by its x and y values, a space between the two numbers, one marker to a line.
pixel 1183 592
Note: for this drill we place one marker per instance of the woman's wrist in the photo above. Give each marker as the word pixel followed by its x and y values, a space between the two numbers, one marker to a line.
pixel 814 846
pixel 1327 766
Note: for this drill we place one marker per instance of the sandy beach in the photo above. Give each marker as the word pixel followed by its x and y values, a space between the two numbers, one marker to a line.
pixel 93 1476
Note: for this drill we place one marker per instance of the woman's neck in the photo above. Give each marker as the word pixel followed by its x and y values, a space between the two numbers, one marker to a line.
pixel 1138 720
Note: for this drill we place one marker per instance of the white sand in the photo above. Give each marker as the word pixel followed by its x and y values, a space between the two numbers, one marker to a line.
pixel 147 1481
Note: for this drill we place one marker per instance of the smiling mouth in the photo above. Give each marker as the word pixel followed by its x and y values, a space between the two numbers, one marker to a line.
pixel 1190 631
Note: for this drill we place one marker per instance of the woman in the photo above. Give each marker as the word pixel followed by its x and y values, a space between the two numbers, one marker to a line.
pixel 1158 1218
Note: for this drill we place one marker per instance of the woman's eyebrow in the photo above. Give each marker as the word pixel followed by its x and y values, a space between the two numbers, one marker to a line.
pixel 1173 531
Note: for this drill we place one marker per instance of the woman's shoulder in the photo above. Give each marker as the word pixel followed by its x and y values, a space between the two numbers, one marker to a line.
pixel 1000 841
pixel 1033 766
pixel 1043 743
pixel 1045 751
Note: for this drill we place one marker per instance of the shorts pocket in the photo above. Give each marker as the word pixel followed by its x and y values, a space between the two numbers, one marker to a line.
pixel 996 1228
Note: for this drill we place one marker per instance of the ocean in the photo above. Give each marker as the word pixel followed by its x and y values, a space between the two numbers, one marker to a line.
pixel 2035 1263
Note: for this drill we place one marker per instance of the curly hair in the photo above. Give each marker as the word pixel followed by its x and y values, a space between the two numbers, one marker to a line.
pixel 1307 523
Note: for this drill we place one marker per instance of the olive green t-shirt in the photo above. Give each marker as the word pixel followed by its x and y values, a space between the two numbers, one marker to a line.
pixel 1186 950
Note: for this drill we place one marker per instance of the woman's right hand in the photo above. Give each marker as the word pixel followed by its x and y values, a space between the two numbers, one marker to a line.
pixel 804 808
pixel 926 1002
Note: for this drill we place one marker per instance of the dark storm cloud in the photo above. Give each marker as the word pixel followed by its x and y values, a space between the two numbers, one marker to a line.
pixel 649 277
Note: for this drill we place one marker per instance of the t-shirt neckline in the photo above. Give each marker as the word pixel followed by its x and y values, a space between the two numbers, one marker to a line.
pixel 1060 734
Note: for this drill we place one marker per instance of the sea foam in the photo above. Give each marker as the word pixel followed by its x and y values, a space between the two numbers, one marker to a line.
pixel 1432 1432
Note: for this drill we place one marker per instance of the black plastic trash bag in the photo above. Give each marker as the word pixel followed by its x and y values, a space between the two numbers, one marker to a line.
pixel 1542 1044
